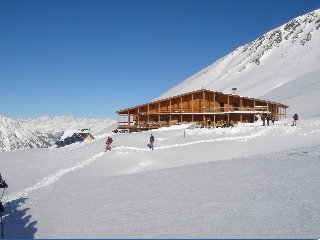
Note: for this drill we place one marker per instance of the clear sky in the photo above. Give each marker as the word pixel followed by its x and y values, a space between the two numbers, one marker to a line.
pixel 89 59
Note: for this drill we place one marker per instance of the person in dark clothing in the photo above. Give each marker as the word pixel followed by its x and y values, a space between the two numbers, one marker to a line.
pixel 295 119
pixel 272 119
pixel 268 119
pixel 151 142
pixel 3 183
pixel 263 118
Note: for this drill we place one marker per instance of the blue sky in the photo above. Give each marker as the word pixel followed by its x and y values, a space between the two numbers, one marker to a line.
pixel 91 58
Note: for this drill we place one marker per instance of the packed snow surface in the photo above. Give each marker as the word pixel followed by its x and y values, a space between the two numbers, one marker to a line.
pixel 246 181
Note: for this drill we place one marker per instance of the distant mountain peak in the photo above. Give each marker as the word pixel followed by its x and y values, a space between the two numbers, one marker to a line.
pixel 13 136
pixel 42 132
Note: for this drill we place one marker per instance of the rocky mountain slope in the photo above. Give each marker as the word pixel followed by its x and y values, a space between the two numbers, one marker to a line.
pixel 44 131
pixel 13 136
pixel 52 128
pixel 266 67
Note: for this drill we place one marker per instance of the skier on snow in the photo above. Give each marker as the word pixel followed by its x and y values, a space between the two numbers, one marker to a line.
pixel 295 119
pixel 150 145
pixel 108 144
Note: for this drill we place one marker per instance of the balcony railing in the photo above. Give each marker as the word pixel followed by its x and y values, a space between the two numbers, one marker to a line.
pixel 260 109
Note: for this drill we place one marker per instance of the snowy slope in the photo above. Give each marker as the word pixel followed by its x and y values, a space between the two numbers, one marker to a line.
pixel 266 67
pixel 243 182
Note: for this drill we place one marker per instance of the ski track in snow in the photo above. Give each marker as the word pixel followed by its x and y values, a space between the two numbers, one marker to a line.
pixel 241 138
pixel 51 179
pixel 47 181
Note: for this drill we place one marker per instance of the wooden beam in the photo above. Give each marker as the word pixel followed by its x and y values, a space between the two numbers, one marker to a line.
pixel 138 117
pixel 128 119
pixel 180 109
pixel 203 105
pixel 192 107
pixel 241 115
pixel 214 102
pixel 148 116
pixel 209 105
pixel 214 108
pixel 285 112
pixel 159 113
pixel 170 113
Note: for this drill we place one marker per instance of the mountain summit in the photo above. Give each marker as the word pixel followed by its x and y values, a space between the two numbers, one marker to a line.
pixel 267 66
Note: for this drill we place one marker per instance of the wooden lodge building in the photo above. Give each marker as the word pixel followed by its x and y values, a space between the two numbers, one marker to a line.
pixel 203 107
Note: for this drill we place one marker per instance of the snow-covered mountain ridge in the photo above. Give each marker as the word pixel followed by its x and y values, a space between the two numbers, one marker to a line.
pixel 14 136
pixel 42 132
pixel 287 54
pixel 59 124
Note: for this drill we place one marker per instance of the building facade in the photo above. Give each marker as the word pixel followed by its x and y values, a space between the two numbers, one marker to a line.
pixel 203 107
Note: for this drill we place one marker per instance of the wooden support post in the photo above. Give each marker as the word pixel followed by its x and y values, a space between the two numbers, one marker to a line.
pixel 170 113
pixel 138 117
pixel 214 102
pixel 148 116
pixel 180 109
pixel 203 105
pixel 128 121
pixel 214 108
pixel 285 112
pixel 209 102
pixel 228 109
pixel 192 107
pixel 241 115
pixel 159 114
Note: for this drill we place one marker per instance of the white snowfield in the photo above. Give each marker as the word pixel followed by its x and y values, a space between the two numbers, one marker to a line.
pixel 246 181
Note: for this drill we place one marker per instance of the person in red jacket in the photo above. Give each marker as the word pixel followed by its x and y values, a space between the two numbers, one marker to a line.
pixel 108 144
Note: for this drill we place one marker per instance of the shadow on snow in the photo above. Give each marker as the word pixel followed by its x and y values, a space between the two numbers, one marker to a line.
pixel 18 224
